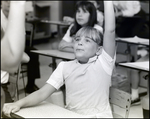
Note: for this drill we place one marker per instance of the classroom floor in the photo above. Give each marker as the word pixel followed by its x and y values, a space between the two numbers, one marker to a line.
pixel 45 71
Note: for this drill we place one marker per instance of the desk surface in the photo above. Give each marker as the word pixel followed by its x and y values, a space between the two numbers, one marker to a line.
pixel 62 23
pixel 144 66
pixel 47 110
pixel 134 40
pixel 56 54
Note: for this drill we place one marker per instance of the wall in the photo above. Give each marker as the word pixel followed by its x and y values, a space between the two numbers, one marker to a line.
pixel 55 12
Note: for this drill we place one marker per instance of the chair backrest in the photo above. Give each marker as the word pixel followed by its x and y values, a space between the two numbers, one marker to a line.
pixel 120 103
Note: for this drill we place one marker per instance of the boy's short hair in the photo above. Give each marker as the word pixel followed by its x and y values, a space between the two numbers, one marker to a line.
pixel 91 32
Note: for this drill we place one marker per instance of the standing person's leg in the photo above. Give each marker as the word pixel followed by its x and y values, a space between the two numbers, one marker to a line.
pixel 33 70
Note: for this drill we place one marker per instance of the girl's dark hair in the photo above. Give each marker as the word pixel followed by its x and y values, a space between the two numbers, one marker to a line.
pixel 86 6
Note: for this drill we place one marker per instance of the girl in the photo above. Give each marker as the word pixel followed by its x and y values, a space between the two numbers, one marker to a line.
pixel 88 79
pixel 85 16
pixel 100 13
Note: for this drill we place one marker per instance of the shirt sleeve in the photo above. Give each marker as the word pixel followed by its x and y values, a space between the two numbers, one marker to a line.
pixel 56 79
pixel 107 62
pixel 67 36
pixel 132 8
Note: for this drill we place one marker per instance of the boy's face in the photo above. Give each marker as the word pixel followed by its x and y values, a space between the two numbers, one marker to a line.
pixel 84 48
pixel 82 17
pixel 5 7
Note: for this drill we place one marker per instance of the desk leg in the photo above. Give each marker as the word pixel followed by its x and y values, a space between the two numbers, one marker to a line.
pixel 53 64
pixel 128 53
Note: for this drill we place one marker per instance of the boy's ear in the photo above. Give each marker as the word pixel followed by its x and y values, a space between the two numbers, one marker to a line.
pixel 99 50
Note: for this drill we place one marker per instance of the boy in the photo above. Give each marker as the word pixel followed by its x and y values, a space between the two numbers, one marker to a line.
pixel 87 78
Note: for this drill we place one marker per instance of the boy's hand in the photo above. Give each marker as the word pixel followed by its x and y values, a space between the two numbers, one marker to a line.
pixel 10 107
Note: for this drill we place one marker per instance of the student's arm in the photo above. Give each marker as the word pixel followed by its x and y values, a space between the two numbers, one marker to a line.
pixel 13 42
pixel 66 46
pixel 68 19
pixel 109 28
pixel 31 100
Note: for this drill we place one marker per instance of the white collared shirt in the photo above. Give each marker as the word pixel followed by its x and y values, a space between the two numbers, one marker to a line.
pixel 87 85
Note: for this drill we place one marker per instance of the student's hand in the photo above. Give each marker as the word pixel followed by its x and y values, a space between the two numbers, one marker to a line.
pixel 68 19
pixel 10 107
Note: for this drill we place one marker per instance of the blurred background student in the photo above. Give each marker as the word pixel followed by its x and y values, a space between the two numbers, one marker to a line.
pixel 99 5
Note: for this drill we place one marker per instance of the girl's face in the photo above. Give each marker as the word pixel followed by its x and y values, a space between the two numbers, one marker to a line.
pixel 84 48
pixel 82 17
pixel 5 7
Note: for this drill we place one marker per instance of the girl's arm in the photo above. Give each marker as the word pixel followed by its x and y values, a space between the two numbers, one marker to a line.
pixel 13 42
pixel 66 46
pixel 31 100
pixel 68 19
pixel 109 28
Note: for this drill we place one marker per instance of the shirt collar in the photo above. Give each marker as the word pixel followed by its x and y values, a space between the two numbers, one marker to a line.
pixel 92 59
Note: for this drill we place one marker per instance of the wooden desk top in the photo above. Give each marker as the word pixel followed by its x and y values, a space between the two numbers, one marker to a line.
pixel 62 23
pixel 134 40
pixel 56 54
pixel 46 110
pixel 144 66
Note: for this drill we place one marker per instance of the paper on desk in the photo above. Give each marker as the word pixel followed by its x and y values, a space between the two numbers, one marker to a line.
pixel 138 65
pixel 47 110
pixel 142 65
pixel 135 40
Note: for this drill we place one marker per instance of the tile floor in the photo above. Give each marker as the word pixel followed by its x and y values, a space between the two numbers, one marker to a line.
pixel 45 71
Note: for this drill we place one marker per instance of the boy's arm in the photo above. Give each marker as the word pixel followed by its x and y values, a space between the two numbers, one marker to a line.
pixel 31 100
pixel 109 28
pixel 13 42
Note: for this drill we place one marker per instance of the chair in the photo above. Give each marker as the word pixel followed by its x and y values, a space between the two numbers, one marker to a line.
pixel 119 100
pixel 14 80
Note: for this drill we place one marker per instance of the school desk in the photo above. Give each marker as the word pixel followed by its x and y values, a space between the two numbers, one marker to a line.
pixel 58 23
pixel 45 110
pixel 142 66
pixel 55 54
pixel 133 41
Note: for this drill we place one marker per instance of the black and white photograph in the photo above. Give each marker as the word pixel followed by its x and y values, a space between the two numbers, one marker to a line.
pixel 75 59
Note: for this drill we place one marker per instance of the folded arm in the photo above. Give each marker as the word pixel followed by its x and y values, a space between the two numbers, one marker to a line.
pixel 65 46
